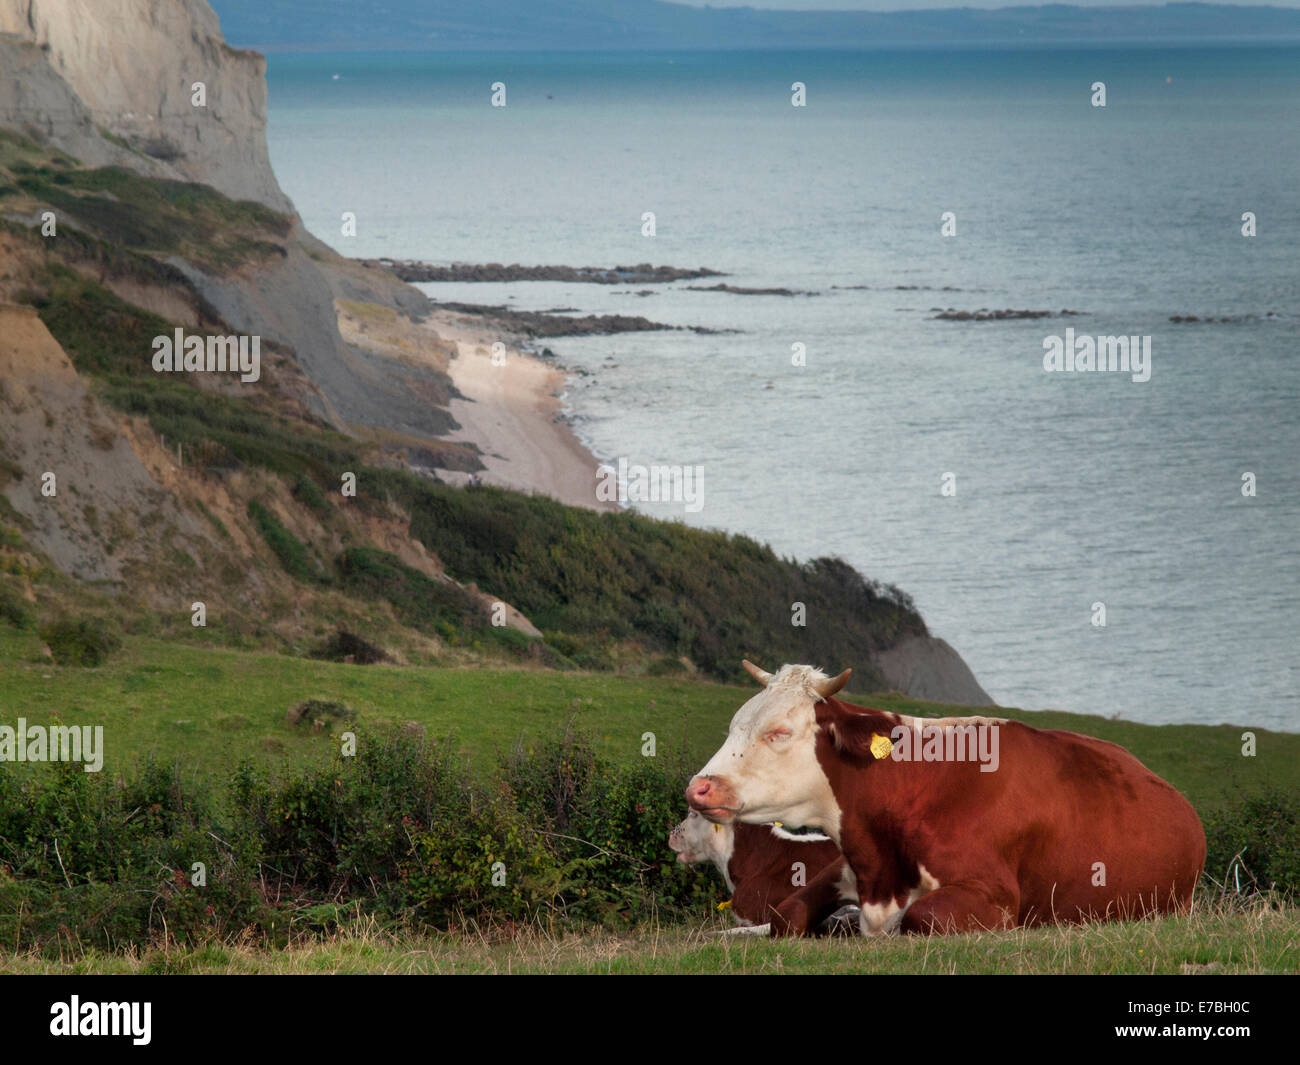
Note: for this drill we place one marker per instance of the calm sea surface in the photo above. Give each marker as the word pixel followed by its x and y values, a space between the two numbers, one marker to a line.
pixel 1071 489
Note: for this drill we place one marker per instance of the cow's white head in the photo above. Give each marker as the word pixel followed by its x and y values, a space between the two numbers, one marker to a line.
pixel 698 839
pixel 767 770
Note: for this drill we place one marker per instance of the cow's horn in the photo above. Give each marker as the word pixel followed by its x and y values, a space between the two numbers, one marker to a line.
pixel 828 687
pixel 760 675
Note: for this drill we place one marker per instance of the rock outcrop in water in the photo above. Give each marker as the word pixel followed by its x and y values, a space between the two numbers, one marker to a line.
pixel 740 290
pixel 536 325
pixel 641 274
pixel 1007 314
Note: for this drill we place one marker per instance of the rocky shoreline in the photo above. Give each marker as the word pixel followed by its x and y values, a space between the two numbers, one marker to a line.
pixel 413 271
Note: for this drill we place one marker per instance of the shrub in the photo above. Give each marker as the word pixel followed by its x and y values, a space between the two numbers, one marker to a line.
pixel 13 609
pixel 401 832
pixel 222 433
pixel 402 827
pixel 320 715
pixel 603 578
pixel 195 221
pixel 346 646
pixel 1264 830
pixel 608 824
pixel 292 552
pixel 418 600
pixel 309 494
pixel 100 332
pixel 85 859
pixel 667 666
pixel 81 642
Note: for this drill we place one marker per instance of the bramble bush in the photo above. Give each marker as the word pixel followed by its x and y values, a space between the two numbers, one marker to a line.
pixel 591 580
pixel 1264 830
pixel 86 641
pixel 85 860
pixel 402 832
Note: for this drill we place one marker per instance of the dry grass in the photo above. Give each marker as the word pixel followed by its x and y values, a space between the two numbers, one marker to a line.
pixel 1218 938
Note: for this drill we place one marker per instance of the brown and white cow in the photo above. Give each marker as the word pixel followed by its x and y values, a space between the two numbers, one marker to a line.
pixel 958 823
pixel 792 883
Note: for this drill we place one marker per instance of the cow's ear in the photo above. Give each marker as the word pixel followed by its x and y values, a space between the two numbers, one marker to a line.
pixel 855 734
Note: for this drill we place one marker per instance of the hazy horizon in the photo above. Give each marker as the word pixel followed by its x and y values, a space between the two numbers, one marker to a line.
pixel 660 25
pixel 890 7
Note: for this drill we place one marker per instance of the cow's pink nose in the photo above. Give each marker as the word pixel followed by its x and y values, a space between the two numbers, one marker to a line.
pixel 699 790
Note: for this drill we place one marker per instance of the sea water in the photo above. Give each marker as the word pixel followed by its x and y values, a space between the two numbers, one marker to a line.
pixel 1082 538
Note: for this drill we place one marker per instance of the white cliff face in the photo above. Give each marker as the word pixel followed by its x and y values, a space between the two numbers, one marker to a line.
pixel 73 70
pixel 134 65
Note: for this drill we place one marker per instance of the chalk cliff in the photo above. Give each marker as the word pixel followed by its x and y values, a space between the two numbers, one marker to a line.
pixel 114 82
pixel 134 65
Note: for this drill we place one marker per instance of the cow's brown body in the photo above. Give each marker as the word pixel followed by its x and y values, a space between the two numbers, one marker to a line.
pixel 791 884
pixel 1037 827
pixel 761 871
pixel 1068 828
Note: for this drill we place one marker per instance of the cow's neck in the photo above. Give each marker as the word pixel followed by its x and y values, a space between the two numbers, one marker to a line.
pixel 752 855
pixel 723 858
pixel 875 799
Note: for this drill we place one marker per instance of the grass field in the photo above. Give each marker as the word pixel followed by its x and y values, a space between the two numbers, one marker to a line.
pixel 1264 940
pixel 207 708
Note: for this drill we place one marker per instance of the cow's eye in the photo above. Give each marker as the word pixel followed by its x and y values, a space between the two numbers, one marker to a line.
pixel 778 734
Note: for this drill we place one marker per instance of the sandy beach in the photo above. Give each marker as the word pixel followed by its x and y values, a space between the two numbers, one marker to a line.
pixel 511 411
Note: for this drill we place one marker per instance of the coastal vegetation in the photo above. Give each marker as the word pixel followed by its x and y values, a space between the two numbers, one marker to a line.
pixel 606 590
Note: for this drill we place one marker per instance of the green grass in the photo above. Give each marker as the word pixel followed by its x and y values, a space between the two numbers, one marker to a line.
pixel 149 215
pixel 294 555
pixel 206 708
pixel 101 333
pixel 1261 940
pixel 222 433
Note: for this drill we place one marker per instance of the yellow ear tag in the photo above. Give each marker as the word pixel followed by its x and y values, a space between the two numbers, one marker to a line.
pixel 880 745
pixel 717 827
pixel 778 824
pixel 724 905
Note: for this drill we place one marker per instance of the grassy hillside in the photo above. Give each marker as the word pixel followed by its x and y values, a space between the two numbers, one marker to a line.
pixel 206 708
pixel 607 591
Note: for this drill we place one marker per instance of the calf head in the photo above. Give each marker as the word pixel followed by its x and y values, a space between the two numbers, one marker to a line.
pixel 768 770
pixel 697 839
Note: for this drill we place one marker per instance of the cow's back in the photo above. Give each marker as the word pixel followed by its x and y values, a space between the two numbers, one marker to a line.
pixel 1081 826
